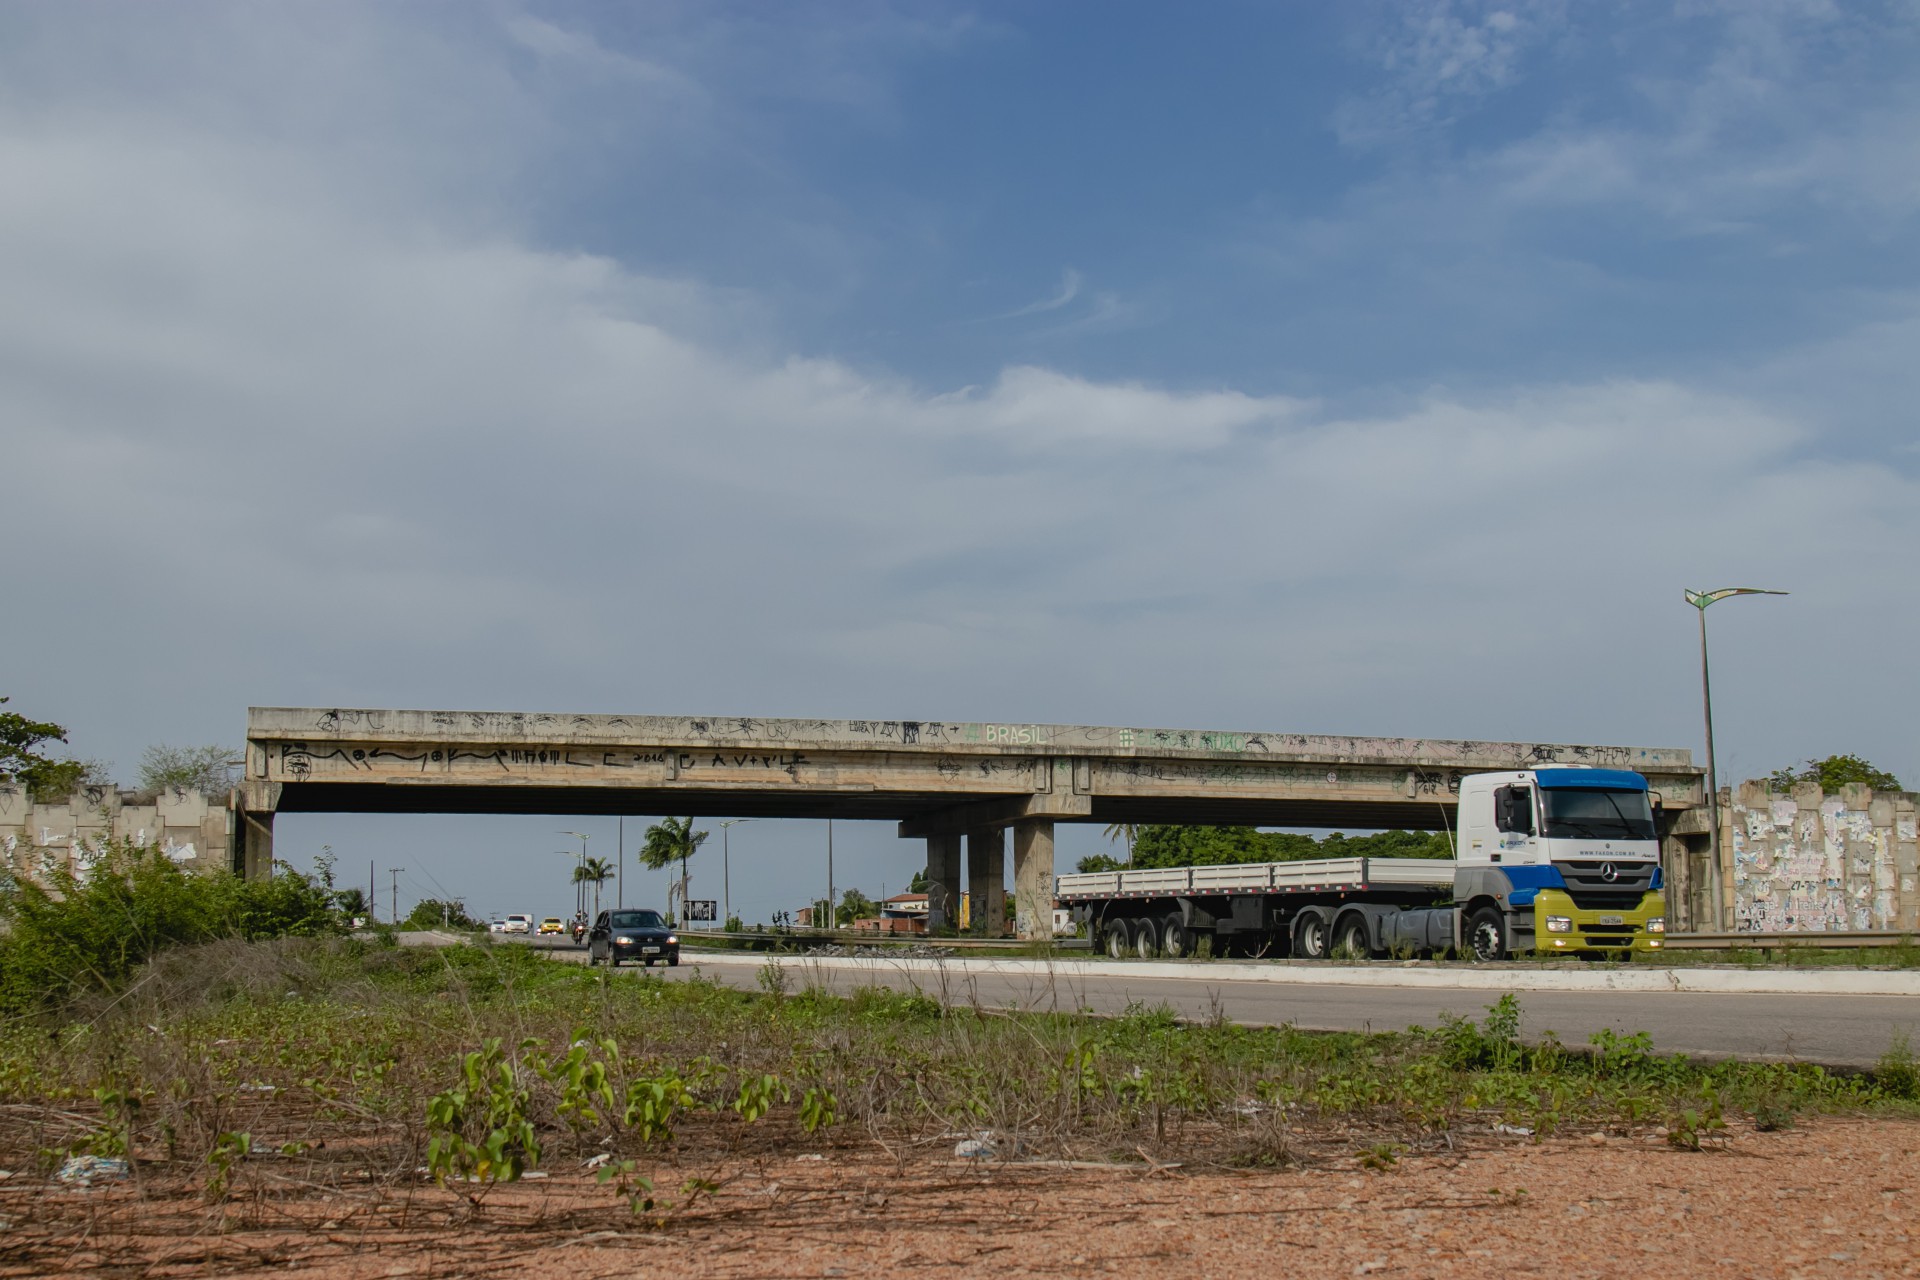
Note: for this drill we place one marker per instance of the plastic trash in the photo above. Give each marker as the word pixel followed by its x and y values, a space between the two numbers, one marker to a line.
pixel 85 1171
pixel 1513 1130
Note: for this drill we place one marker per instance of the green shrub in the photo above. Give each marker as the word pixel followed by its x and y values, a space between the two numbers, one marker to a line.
pixel 81 933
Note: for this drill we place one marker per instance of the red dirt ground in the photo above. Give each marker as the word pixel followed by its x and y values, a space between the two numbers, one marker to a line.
pixel 1835 1197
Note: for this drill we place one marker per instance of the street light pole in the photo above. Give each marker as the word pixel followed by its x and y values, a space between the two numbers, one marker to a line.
pixel 726 872
pixel 580 885
pixel 830 920
pixel 1700 600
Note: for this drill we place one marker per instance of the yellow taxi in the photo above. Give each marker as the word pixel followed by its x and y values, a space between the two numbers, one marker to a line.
pixel 552 925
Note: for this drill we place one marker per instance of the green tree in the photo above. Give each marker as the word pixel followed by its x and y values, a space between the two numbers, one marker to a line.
pixel 1833 773
pixel 1127 831
pixel 351 903
pixel 918 884
pixel 432 913
pixel 596 872
pixel 1170 846
pixel 1100 862
pixel 668 841
pixel 854 905
pixel 206 769
pixel 48 779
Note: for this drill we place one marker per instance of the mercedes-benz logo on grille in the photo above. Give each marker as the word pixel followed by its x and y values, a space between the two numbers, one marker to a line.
pixel 1609 872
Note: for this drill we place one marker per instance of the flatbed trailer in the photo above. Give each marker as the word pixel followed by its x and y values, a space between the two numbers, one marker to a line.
pixel 1248 908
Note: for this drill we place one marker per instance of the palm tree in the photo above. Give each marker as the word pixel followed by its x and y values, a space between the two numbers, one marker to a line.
pixel 1126 830
pixel 596 872
pixel 668 841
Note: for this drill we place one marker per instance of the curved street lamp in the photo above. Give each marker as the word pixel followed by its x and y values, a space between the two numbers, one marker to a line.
pixel 580 890
pixel 1700 600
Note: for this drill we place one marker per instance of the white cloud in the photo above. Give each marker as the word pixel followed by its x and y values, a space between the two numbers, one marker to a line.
pixel 1440 58
pixel 285 443
pixel 1069 290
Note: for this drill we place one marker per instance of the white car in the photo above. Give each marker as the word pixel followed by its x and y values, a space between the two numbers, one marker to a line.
pixel 517 924
pixel 496 925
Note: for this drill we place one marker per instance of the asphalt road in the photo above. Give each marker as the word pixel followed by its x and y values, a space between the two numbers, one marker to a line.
pixel 1838 1030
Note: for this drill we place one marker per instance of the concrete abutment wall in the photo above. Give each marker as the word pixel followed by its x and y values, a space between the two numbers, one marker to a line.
pixel 193 829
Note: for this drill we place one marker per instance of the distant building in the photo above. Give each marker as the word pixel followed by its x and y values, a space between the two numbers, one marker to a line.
pixel 902 913
pixel 905 906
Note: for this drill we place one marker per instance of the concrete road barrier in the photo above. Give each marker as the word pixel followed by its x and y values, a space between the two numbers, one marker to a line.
pixel 1411 974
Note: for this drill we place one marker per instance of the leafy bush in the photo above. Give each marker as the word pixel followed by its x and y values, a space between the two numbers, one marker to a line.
pixel 86 931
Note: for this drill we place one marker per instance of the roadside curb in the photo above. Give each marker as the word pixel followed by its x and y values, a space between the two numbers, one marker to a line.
pixel 1858 982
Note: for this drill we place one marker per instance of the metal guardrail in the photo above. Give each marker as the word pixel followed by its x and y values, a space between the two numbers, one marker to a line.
pixel 1784 941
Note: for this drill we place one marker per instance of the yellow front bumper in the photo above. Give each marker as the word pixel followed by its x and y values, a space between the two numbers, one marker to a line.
pixel 1605 930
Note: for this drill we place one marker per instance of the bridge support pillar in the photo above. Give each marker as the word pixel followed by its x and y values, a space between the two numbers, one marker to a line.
pixel 943 881
pixel 1033 879
pixel 987 880
pixel 253 845
pixel 253 805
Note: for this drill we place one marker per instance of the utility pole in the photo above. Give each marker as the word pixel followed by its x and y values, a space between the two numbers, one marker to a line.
pixel 373 895
pixel 1700 600
pixel 395 873
pixel 620 861
pixel 726 871
pixel 830 920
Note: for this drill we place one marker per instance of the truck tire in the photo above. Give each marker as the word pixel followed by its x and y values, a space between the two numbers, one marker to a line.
pixel 1119 941
pixel 1146 938
pixel 1311 940
pixel 1486 935
pixel 1350 940
pixel 1175 938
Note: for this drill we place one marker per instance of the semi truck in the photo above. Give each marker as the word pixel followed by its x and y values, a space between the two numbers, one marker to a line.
pixel 1553 859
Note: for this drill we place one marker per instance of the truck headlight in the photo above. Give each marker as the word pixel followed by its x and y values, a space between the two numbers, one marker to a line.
pixel 673 939
pixel 624 942
pixel 1559 924
pixel 1657 925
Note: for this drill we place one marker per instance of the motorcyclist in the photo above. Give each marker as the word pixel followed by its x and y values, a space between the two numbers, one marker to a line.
pixel 579 925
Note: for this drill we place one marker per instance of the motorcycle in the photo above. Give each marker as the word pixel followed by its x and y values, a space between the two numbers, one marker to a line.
pixel 579 931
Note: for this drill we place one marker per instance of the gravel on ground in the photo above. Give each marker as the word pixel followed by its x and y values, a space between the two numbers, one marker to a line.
pixel 1835 1197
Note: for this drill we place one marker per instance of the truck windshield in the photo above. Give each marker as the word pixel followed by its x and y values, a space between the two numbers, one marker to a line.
pixel 1597 815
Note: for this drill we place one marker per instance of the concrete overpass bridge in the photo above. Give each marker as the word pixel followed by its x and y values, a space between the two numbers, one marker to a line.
pixel 942 781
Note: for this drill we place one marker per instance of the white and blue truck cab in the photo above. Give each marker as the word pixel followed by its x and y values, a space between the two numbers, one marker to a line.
pixel 1557 859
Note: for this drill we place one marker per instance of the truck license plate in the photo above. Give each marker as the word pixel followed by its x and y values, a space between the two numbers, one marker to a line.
pixel 1613 920
pixel 650 951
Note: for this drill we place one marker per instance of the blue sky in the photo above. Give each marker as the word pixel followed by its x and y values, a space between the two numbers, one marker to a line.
pixel 1374 368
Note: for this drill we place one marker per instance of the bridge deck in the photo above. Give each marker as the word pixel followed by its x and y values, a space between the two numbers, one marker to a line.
pixel 356 760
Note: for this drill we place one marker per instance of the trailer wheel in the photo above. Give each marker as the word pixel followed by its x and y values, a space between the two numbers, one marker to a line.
pixel 1175 938
pixel 1115 935
pixel 1146 939
pixel 1487 935
pixel 1310 936
pixel 1350 941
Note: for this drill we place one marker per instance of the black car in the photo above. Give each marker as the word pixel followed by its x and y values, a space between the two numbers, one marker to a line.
pixel 632 935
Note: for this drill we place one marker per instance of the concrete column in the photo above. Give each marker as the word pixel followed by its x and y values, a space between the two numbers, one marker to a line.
pixel 254 803
pixel 253 851
pixel 987 880
pixel 1033 879
pixel 943 881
